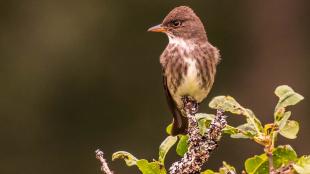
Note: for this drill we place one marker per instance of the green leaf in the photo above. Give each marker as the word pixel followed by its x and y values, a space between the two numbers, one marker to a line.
pixel 303 165
pixel 282 155
pixel 229 104
pixel 182 146
pixel 144 166
pixel 169 128
pixel 252 119
pixel 244 131
pixel 257 164
pixel 165 147
pixel 129 158
pixel 207 118
pixel 230 130
pixel 282 122
pixel 227 169
pixel 282 90
pixel 226 103
pixel 202 118
pixel 287 97
pixel 278 114
pixel 151 167
pixel 202 126
pixel 199 116
pixel 208 172
pixel 290 130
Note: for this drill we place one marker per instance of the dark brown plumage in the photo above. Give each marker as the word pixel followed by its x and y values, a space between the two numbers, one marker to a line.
pixel 188 62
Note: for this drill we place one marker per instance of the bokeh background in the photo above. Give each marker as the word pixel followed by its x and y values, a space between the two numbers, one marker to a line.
pixel 80 75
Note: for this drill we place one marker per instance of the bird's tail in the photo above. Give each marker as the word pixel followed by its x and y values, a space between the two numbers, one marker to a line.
pixel 180 123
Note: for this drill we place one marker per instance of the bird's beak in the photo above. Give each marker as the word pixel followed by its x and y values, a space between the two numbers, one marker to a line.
pixel 157 28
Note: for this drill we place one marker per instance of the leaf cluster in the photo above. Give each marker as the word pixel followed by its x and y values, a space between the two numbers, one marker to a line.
pixel 265 135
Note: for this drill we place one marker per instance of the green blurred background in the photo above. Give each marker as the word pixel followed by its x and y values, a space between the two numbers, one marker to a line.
pixel 81 75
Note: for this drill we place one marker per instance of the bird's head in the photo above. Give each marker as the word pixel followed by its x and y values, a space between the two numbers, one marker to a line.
pixel 182 23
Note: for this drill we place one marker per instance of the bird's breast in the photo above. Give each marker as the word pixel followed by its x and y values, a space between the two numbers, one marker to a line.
pixel 191 83
pixel 186 70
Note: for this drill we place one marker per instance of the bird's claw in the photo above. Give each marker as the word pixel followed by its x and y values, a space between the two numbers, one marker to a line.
pixel 190 105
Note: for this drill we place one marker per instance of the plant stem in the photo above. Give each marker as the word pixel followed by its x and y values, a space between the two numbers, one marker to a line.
pixel 268 150
pixel 270 159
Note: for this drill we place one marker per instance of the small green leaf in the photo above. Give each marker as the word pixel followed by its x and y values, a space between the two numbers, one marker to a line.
pixel 252 119
pixel 199 116
pixel 169 128
pixel 283 155
pixel 278 114
pixel 205 119
pixel 282 122
pixel 303 165
pixel 230 130
pixel 208 172
pixel 282 90
pixel 244 131
pixel 227 169
pixel 144 166
pixel 151 167
pixel 287 96
pixel 290 130
pixel 229 104
pixel 165 147
pixel 202 126
pixel 129 158
pixel 182 146
pixel 226 103
pixel 257 164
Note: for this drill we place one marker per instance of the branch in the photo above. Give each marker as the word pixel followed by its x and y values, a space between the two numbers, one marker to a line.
pixel 104 165
pixel 270 161
pixel 200 146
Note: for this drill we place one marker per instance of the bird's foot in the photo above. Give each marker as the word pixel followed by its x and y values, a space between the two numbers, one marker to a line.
pixel 190 105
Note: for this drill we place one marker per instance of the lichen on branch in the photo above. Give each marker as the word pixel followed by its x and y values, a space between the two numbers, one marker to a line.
pixel 200 145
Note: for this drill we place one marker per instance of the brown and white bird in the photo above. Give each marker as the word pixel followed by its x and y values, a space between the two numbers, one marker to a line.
pixel 188 63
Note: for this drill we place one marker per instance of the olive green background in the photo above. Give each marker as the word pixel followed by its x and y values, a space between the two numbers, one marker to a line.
pixel 80 75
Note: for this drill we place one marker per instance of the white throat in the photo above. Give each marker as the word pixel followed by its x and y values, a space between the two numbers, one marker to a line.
pixel 184 44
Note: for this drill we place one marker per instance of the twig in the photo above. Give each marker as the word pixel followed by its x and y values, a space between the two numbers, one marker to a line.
pixel 104 165
pixel 200 146
pixel 270 162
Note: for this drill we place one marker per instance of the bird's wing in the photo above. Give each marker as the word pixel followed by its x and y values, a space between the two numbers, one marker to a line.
pixel 180 122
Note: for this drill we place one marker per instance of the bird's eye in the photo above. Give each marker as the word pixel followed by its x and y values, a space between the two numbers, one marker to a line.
pixel 176 23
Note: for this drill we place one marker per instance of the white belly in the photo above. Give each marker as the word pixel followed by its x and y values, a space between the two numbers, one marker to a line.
pixel 191 84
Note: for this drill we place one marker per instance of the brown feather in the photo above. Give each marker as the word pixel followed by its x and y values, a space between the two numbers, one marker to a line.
pixel 180 123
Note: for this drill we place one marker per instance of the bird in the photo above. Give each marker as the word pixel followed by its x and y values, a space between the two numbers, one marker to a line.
pixel 188 64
